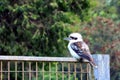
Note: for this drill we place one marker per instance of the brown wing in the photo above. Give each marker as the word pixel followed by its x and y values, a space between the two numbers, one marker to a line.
pixel 85 49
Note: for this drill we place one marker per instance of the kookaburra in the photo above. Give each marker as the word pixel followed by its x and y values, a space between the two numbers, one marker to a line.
pixel 79 49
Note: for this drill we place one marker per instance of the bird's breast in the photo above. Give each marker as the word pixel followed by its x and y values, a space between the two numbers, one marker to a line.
pixel 73 53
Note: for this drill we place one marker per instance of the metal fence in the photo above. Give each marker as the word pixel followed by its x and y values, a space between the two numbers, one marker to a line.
pixel 43 68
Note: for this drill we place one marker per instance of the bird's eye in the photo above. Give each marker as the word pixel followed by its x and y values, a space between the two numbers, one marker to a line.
pixel 73 38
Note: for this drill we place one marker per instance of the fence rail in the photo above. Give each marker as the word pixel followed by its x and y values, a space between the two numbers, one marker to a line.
pixel 43 68
pixel 31 58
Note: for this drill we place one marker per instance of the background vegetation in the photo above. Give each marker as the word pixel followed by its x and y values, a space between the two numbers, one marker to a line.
pixel 37 27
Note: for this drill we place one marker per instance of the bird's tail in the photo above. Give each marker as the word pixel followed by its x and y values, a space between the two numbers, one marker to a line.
pixel 93 64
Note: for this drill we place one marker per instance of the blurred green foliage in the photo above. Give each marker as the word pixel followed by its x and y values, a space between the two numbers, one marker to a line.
pixel 37 27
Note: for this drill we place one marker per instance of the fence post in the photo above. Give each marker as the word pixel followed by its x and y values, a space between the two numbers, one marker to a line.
pixel 103 70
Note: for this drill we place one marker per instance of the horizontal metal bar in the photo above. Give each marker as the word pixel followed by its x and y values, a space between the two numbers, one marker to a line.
pixel 33 58
pixel 45 71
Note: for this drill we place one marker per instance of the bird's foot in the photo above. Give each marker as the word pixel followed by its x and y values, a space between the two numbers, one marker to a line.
pixel 80 60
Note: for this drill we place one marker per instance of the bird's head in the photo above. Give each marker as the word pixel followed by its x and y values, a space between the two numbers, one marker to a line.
pixel 74 37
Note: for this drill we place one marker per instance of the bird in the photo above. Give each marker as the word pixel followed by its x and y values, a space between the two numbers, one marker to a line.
pixel 79 49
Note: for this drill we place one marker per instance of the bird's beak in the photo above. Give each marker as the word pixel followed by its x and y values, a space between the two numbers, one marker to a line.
pixel 68 39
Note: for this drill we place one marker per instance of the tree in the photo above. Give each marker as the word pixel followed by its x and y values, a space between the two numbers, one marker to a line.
pixel 37 27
